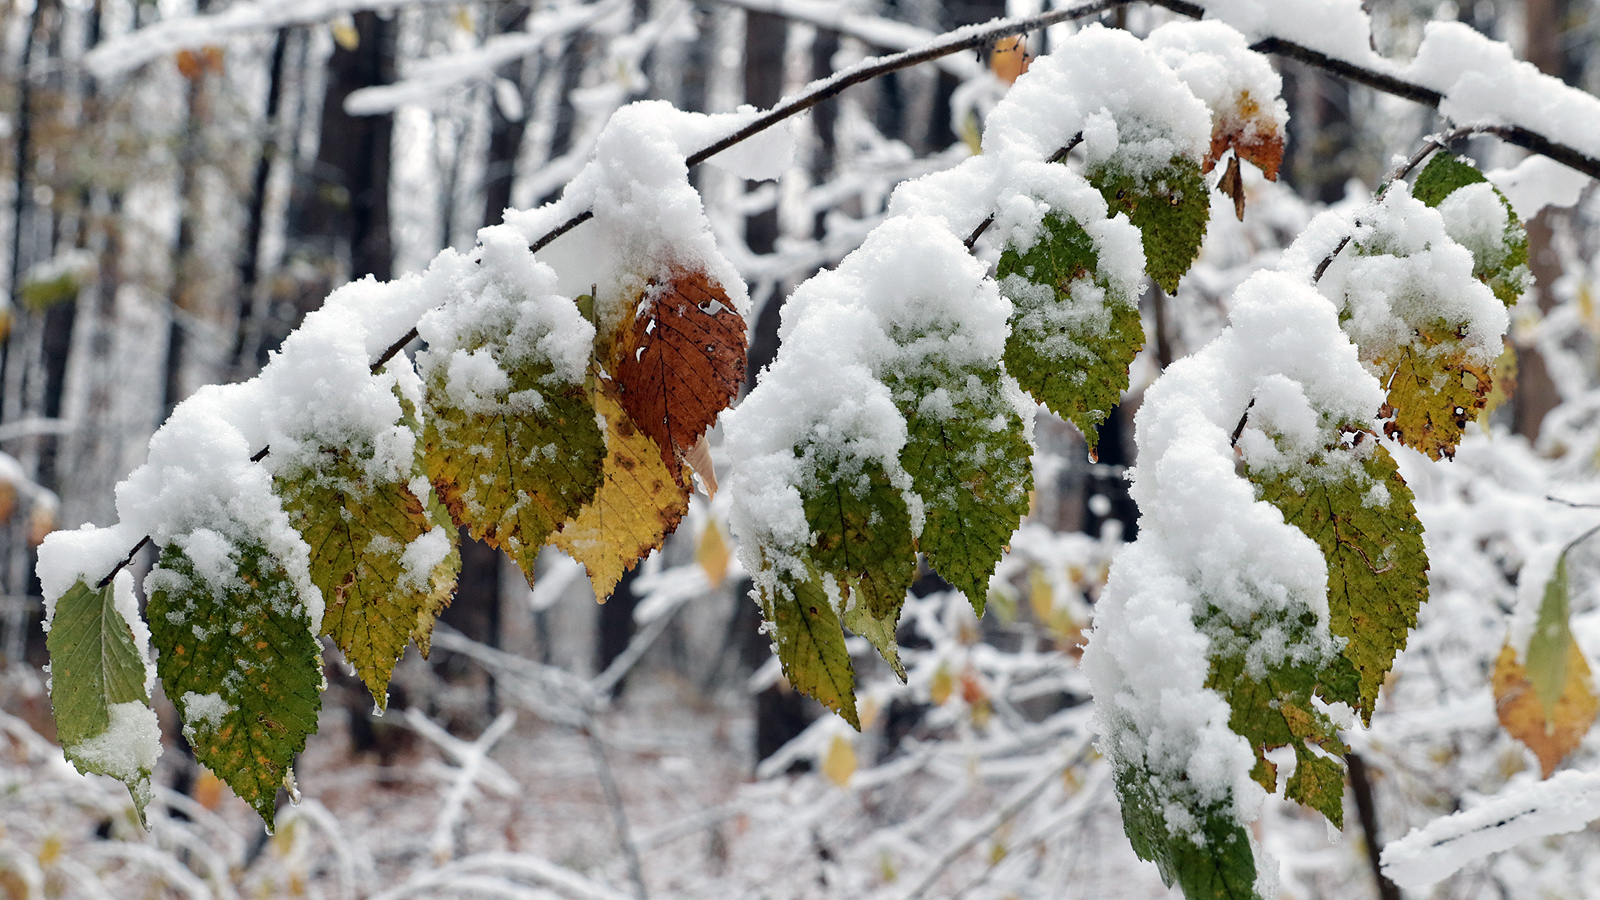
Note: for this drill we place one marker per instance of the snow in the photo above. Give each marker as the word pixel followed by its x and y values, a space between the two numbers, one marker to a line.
pixel 648 219
pixel 1209 552
pixel 207 709
pixel 1538 182
pixel 1525 810
pixel 1237 84
pixel 1483 82
pixel 127 750
pixel 1146 115
pixel 1402 272
pixel 1337 28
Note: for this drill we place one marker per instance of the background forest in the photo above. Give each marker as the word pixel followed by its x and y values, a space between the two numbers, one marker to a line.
pixel 182 182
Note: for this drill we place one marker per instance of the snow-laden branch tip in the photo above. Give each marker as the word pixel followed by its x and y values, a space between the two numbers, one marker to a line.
pixel 129 51
pixel 1565 803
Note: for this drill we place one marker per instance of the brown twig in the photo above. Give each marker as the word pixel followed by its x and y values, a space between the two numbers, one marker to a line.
pixel 1055 157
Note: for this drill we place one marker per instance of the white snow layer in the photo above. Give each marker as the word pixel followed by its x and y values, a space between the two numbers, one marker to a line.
pixel 1525 810
pixel 648 219
pixel 1538 182
pixel 129 746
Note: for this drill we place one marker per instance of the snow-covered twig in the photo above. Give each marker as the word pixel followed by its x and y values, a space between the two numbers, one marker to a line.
pixel 619 814
pixel 473 764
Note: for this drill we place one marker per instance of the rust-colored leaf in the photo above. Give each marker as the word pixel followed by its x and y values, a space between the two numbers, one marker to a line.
pixel 1009 59
pixel 1550 738
pixel 1250 132
pixel 683 362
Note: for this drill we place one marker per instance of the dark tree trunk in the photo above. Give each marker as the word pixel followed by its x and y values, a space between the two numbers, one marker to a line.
pixel 250 259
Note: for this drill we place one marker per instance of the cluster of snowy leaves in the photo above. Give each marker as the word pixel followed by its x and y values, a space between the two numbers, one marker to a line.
pixel 565 399
pixel 323 496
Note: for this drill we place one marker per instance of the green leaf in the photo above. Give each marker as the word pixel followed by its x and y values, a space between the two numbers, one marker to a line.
pixel 810 644
pixel 360 531
pixel 1501 264
pixel 97 686
pixel 1073 335
pixel 972 465
pixel 1213 861
pixel 239 661
pixel 515 468
pixel 879 633
pixel 1547 647
pixel 1274 708
pixel 1318 782
pixel 1367 527
pixel 861 533
pixel 1171 209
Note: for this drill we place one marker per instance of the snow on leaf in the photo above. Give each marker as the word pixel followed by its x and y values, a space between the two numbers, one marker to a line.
pixel 1435 386
pixel 1367 527
pixel 972 465
pixel 1500 255
pixel 1211 861
pixel 514 469
pixel 810 644
pixel 1550 735
pixel 682 362
pixel 1170 207
pixel 97 676
pixel 241 662
pixel 363 537
pixel 1072 337
pixel 643 494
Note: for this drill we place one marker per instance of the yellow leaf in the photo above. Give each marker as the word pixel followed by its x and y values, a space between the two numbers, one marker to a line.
pixel 944 684
pixel 345 33
pixel 639 501
pixel 1009 59
pixel 713 553
pixel 1523 716
pixel 1434 390
pixel 839 763
pixel 464 19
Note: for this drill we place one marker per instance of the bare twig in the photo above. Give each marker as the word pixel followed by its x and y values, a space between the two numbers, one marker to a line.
pixel 1239 428
pixel 619 815
pixel 1367 812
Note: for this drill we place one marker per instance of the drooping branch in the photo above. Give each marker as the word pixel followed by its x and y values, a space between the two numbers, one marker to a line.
pixel 974 36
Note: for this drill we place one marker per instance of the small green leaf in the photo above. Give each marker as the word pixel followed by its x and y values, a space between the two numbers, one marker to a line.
pixel 1171 209
pixel 1212 860
pixel 879 633
pixel 515 468
pixel 1073 335
pixel 1501 264
pixel 1318 782
pixel 972 465
pixel 810 645
pixel 861 533
pixel 1547 647
pixel 239 661
pixel 97 686
pixel 1367 527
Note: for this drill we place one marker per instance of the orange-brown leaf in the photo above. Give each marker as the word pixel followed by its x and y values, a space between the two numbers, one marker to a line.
pixel 1523 717
pixel 1251 133
pixel 683 362
pixel 1009 59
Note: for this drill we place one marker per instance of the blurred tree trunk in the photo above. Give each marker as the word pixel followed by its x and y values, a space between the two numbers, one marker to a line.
pixel 1536 393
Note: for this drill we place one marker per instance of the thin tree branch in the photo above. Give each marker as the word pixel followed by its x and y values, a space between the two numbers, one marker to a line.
pixel 1367 812
pixel 619 815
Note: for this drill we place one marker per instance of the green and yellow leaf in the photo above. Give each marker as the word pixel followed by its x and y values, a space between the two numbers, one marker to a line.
pixel 97 686
pixel 240 662
pixel 1212 861
pixel 1554 733
pixel 1367 527
pixel 810 644
pixel 364 537
pixel 1072 336
pixel 513 470
pixel 1435 388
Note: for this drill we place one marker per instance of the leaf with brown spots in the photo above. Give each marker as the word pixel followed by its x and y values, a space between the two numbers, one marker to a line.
pixel 1547 700
pixel 683 361
pixel 240 662
pixel 640 500
pixel 1434 390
